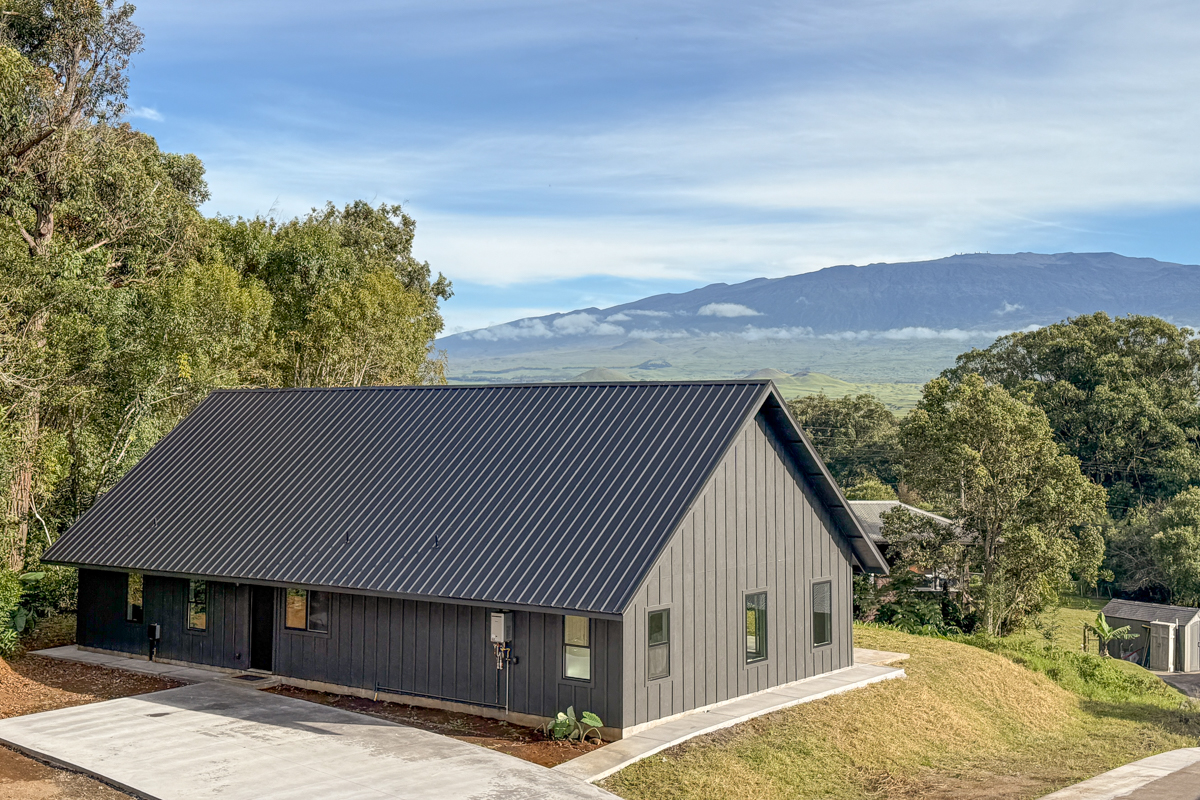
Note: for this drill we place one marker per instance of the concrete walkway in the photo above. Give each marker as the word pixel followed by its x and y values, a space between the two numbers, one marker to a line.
pixel 132 664
pixel 599 764
pixel 1166 776
pixel 219 740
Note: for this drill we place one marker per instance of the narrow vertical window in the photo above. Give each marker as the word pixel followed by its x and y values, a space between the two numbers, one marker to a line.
pixel 318 611
pixel 577 648
pixel 822 605
pixel 133 597
pixel 756 627
pixel 197 605
pixel 296 611
pixel 658 653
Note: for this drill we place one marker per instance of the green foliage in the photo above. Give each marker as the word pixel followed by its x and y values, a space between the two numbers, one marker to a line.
pixel 856 436
pixel 1176 547
pixel 1107 633
pixel 1131 557
pixel 870 489
pixel 1029 517
pixel 1121 395
pixel 565 726
pixel 121 306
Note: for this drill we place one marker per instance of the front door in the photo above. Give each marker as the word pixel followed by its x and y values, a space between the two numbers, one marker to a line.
pixel 262 627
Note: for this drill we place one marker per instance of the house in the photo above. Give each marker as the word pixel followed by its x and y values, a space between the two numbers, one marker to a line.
pixel 870 515
pixel 637 550
pixel 1168 637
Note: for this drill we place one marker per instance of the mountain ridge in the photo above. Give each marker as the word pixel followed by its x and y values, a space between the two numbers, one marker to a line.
pixel 968 292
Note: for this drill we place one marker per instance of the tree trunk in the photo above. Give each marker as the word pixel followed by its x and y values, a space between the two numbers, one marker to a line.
pixel 20 489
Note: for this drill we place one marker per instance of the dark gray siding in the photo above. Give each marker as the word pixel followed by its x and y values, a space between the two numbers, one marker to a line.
pixel 437 649
pixel 226 642
pixel 101 620
pixel 443 650
pixel 756 525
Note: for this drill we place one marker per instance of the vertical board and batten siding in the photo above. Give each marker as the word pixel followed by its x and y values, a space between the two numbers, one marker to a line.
pixel 427 648
pixel 444 651
pixel 756 525
pixel 101 619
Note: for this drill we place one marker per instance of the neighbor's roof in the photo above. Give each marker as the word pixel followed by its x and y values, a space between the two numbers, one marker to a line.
pixel 549 495
pixel 870 514
pixel 1149 612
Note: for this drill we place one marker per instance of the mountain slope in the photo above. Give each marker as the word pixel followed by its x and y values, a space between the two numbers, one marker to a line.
pixel 978 292
pixel 882 323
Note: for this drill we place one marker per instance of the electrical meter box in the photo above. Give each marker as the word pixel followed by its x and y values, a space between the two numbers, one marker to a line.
pixel 502 627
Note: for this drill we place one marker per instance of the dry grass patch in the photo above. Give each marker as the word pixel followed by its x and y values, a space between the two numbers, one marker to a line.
pixel 966 723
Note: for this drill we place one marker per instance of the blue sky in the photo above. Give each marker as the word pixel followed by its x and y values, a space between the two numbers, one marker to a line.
pixel 568 154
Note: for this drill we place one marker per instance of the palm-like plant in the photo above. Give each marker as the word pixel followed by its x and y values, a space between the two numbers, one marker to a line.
pixel 1107 633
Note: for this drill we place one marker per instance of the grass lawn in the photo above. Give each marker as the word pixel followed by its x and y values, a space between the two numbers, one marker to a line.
pixel 966 723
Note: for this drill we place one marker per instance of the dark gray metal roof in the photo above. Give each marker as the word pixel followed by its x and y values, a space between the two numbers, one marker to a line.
pixel 549 495
pixel 1149 612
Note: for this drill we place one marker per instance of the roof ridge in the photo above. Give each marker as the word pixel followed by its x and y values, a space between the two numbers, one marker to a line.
pixel 530 385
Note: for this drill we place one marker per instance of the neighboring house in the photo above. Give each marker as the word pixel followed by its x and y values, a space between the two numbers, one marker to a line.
pixel 1168 637
pixel 870 514
pixel 636 550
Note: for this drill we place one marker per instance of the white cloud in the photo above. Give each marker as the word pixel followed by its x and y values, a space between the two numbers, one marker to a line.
pixel 581 323
pixel 1059 112
pixel 902 334
pixel 659 333
pixel 144 112
pixel 727 310
pixel 618 318
pixel 523 329
pixel 753 334
pixel 1008 308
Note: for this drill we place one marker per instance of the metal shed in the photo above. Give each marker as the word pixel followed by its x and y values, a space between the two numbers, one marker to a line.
pixel 1181 654
pixel 510 550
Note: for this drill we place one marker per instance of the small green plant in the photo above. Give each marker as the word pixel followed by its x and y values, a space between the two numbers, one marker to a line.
pixel 565 726
pixel 1107 633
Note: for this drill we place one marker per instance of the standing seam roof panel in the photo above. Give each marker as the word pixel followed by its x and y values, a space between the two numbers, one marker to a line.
pixel 556 495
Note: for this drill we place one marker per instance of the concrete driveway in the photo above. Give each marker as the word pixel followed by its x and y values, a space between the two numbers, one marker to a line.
pixel 218 739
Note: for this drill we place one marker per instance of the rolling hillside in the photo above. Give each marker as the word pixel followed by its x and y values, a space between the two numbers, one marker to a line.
pixel 877 324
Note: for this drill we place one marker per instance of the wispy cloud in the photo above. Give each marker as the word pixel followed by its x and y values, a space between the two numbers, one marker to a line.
pixel 712 144
pixel 144 112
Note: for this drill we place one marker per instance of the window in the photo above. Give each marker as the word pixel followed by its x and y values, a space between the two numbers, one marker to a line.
pixel 658 653
pixel 197 605
pixel 822 614
pixel 756 627
pixel 318 611
pixel 133 597
pixel 295 615
pixel 306 611
pixel 577 648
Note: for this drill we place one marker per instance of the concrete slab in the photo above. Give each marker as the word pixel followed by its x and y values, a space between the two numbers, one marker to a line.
pixel 600 763
pixel 1166 776
pixel 219 740
pixel 864 655
pixel 183 674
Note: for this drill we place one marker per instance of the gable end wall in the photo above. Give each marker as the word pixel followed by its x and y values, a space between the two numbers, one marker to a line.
pixel 756 525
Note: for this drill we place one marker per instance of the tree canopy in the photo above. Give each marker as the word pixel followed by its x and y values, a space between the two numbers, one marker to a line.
pixel 856 436
pixel 122 305
pixel 1122 395
pixel 988 459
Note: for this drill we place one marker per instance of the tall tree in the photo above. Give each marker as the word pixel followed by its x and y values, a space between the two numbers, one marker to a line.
pixel 62 75
pixel 1122 395
pixel 989 461
pixel 856 436
pixel 352 305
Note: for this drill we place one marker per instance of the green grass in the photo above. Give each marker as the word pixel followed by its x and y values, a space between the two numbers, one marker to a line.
pixel 1008 718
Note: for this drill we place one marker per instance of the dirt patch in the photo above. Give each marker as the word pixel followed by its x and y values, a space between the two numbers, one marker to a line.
pixel 524 743
pixel 23 778
pixel 32 683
